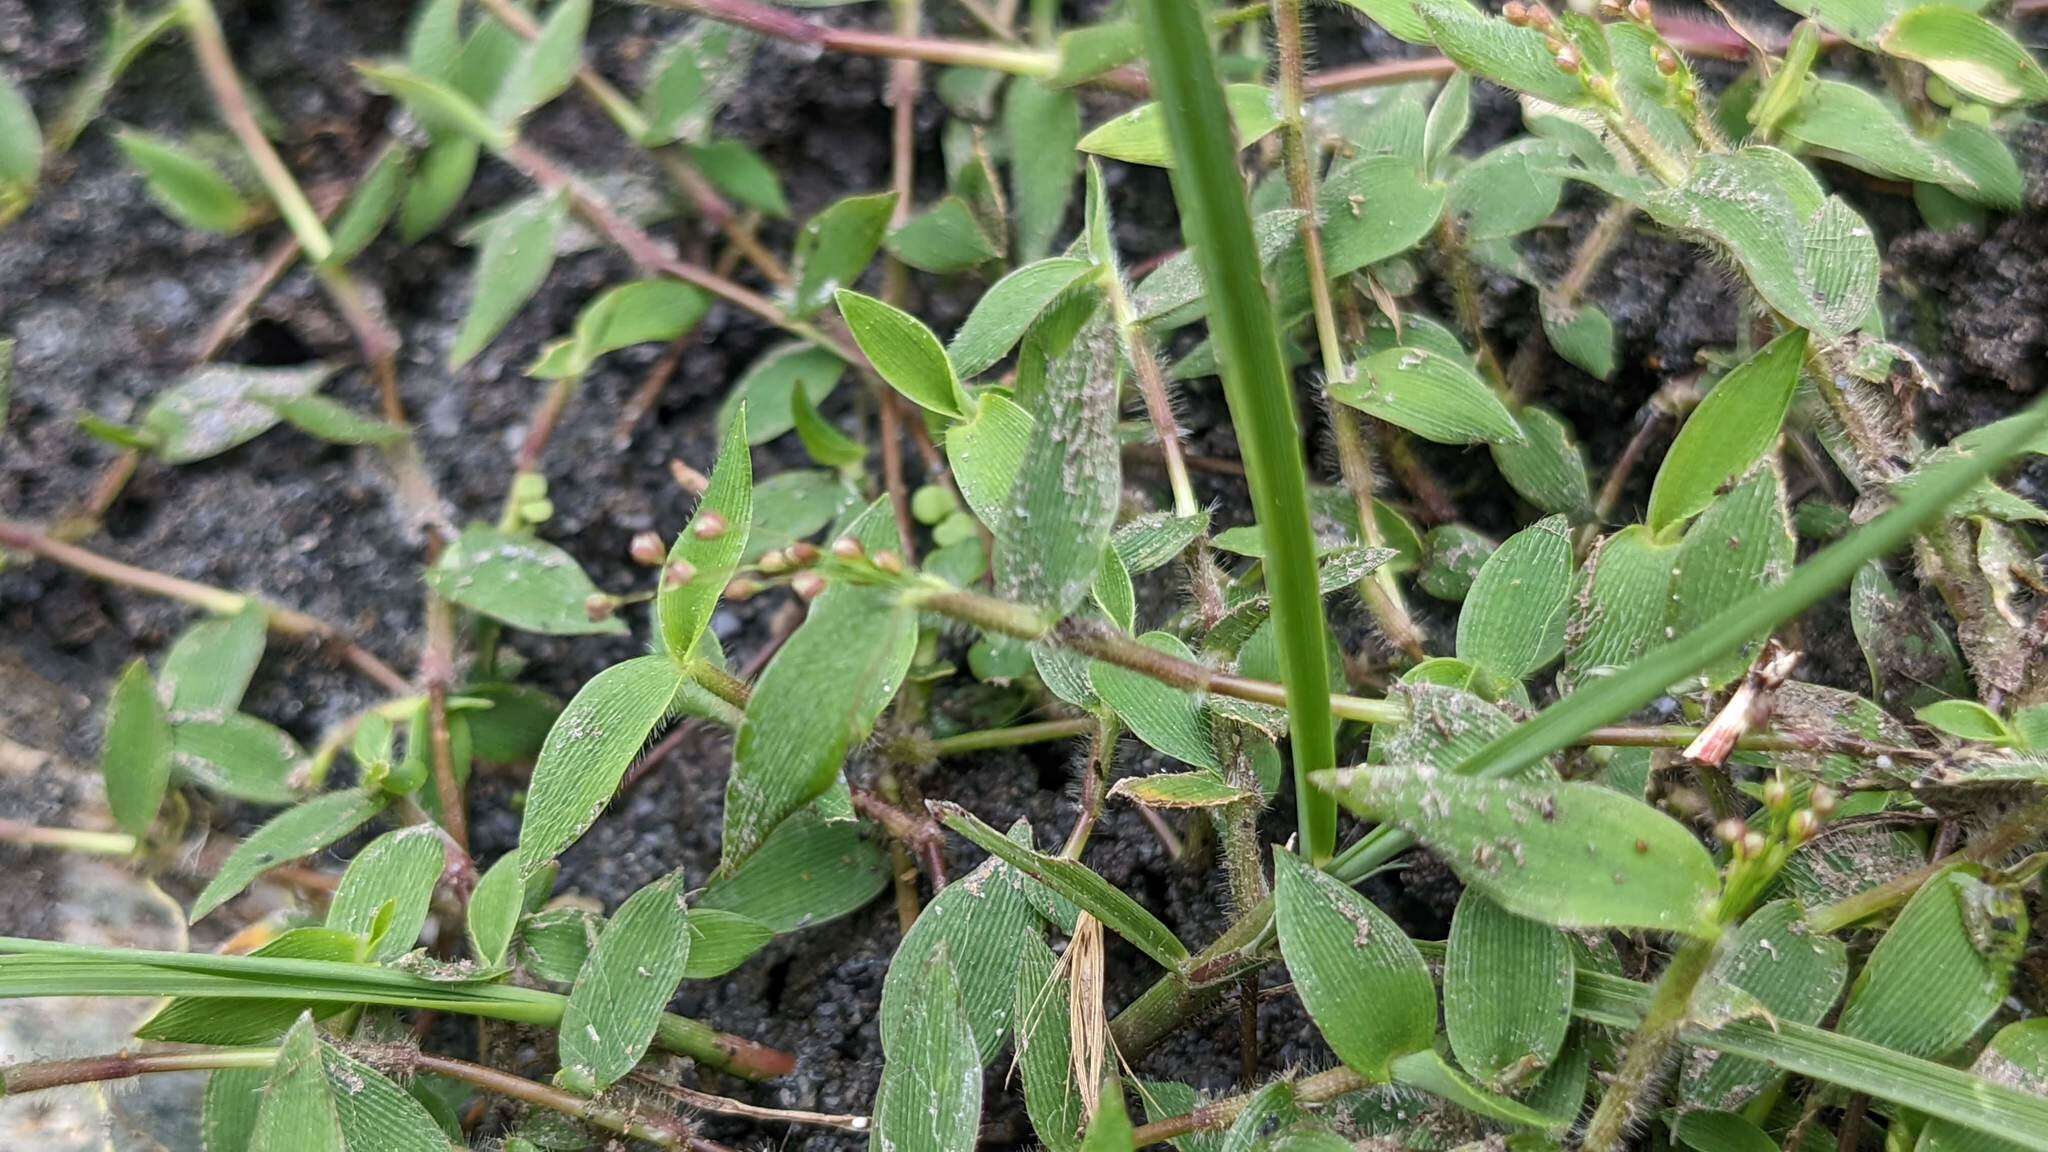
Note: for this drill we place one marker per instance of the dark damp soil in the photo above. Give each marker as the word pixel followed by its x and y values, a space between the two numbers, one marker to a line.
pixel 106 296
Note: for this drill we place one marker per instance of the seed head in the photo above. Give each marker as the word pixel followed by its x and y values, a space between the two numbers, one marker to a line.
pixel 1568 60
pixel 679 573
pixel 773 562
pixel 742 588
pixel 1805 826
pixel 1775 793
pixel 803 554
pixel 1639 10
pixel 1823 801
pixel 808 586
pixel 847 548
pixel 1515 13
pixel 1730 831
pixel 1752 846
pixel 598 607
pixel 709 526
pixel 1667 64
pixel 889 562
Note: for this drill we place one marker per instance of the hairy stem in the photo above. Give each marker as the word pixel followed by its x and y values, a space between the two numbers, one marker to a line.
pixel 1651 1046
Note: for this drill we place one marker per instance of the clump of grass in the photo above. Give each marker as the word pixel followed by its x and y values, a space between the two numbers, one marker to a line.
pixel 1758 853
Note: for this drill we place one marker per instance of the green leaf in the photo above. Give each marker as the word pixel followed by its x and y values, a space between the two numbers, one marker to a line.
pixel 625 984
pixel 1139 136
pixel 929 1099
pixel 1708 1131
pixel 702 560
pixel 1373 208
pixel 376 1114
pixel 1509 190
pixel 766 387
pixel 721 941
pixel 1045 1045
pixel 184 184
pixel 293 833
pixel 517 254
pixel 975 921
pixel 1974 55
pixel 445 107
pixel 513 577
pixel 1742 542
pixel 1180 790
pixel 438 182
pixel 1991 176
pixel 1793 971
pixel 323 419
pixel 1514 616
pixel 298 1111
pixel 1043 127
pixel 814 703
pixel 1622 603
pixel 835 247
pixel 1426 1071
pixel 1570 854
pixel 813 869
pixel 690 78
pixel 905 353
pixel 1434 396
pixel 1070 878
pixel 547 65
pixel 1942 968
pixel 1398 18
pixel 741 173
pixel 210 664
pixel 235 754
pixel 21 142
pixel 221 406
pixel 790 506
pixel 639 312
pixel 399 870
pixel 1867 131
pixel 1359 976
pixel 1965 720
pixel 588 751
pixel 1008 309
pixel 1449 115
pixel 135 756
pixel 1173 293
pixel 945 239
pixel 1731 430
pixel 370 208
pixel 985 453
pixel 1507 992
pixel 822 441
pixel 1546 468
pixel 1093 49
pixel 492 915
pixel 1050 538
pixel 228 1113
pixel 1151 540
pixel 1164 717
pixel 1582 334
pixel 2017 1055
pixel 1110 1130
pixel 1513 57
pixel 432 42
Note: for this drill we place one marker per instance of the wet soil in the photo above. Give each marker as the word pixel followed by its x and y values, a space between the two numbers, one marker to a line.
pixel 106 297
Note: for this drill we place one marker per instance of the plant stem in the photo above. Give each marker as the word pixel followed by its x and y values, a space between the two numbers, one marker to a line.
pixel 283 621
pixel 210 49
pixel 720 1105
pixel 1152 387
pixel 627 116
pixel 68 839
pixel 778 25
pixel 1648 1048
pixel 1354 458
pixel 1599 243
pixel 668 1133
pixel 1216 222
pixel 1320 1088
pixel 1013 737
pixel 2004 838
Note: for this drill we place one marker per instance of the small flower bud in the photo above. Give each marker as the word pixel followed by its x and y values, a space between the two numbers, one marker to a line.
pixel 773 562
pixel 1639 10
pixel 1539 17
pixel 742 588
pixel 1568 60
pixel 808 586
pixel 679 573
pixel 1823 801
pixel 1805 826
pixel 847 548
pixel 889 562
pixel 598 607
pixel 1775 793
pixel 709 526
pixel 1615 9
pixel 1752 846
pixel 1730 831
pixel 1667 64
pixel 803 554
pixel 647 549
pixel 1515 13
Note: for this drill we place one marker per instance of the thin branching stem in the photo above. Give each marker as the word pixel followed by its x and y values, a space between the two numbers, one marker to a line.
pixel 1649 1048
pixel 281 620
